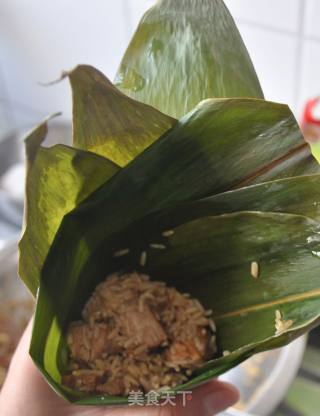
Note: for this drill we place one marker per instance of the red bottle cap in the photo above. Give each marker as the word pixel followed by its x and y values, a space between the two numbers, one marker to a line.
pixel 311 114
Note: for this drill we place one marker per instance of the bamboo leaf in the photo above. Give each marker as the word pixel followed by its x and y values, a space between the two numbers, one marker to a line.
pixel 214 255
pixel 211 259
pixel 184 52
pixel 191 158
pixel 250 137
pixel 285 245
pixel 298 195
pixel 58 179
pixel 224 178
pixel 107 122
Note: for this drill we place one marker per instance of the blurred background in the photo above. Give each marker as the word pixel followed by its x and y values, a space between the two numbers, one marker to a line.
pixel 39 39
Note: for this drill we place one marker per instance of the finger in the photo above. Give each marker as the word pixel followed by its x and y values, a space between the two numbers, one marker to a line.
pixel 206 400
pixel 209 399
pixel 22 369
pixel 24 388
pixel 126 411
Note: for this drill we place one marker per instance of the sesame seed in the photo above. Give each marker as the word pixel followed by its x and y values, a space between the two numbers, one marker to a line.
pixel 255 269
pixel 168 233
pixel 158 246
pixel 143 258
pixel 121 252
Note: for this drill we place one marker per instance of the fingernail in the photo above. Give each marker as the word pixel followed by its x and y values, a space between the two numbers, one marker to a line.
pixel 220 399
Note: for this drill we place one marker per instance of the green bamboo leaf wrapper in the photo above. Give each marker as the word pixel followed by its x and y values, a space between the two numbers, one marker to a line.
pixel 218 274
pixel 109 123
pixel 210 254
pixel 232 177
pixel 298 195
pixel 58 179
pixel 184 52
pixel 191 158
pixel 105 122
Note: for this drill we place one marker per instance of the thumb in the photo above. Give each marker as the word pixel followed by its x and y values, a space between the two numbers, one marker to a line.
pixel 210 399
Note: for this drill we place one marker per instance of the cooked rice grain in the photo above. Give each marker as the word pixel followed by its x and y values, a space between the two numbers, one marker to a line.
pixel 137 334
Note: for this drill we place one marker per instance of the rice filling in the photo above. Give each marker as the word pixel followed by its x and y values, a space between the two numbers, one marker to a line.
pixel 137 334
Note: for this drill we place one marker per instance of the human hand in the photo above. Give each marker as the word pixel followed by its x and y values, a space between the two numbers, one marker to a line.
pixel 26 393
